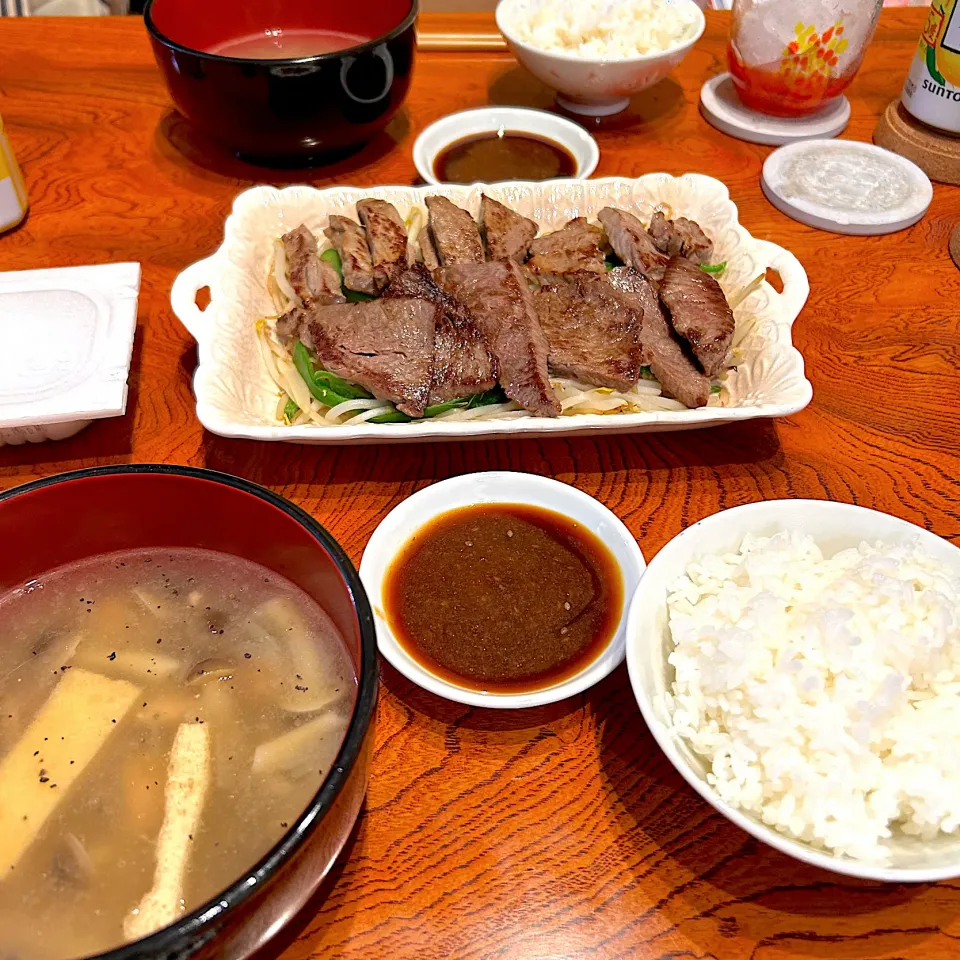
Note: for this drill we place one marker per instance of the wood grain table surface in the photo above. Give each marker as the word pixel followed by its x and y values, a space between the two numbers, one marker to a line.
pixel 559 832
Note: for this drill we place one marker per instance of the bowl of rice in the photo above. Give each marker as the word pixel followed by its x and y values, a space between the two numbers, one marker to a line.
pixel 798 661
pixel 597 53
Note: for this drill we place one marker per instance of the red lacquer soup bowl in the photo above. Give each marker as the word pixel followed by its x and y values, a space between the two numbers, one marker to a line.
pixel 285 82
pixel 66 518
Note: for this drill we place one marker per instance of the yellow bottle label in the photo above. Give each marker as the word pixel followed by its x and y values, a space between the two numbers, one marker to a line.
pixel 932 89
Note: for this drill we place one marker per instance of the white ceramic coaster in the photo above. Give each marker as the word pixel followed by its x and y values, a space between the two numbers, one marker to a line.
pixel 844 186
pixel 723 109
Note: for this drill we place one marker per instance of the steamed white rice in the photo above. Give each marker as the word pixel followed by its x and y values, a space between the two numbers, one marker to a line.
pixel 604 29
pixel 824 694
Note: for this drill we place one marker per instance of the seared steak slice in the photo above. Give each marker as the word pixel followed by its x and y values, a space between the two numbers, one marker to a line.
pixel 699 312
pixel 427 250
pixel 573 249
pixel 676 372
pixel 506 233
pixel 680 237
pixel 501 304
pixel 632 244
pixel 310 277
pixel 417 281
pixel 385 346
pixel 350 241
pixel 387 237
pixel 462 365
pixel 292 324
pixel 594 336
pixel 455 235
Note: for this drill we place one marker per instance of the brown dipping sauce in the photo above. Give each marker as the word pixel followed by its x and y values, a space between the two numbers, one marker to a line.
pixel 504 597
pixel 503 155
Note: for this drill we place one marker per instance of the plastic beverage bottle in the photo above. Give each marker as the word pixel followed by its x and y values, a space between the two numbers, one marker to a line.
pixel 13 195
pixel 932 91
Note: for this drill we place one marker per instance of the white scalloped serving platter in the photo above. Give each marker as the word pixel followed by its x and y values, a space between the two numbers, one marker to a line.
pixel 236 397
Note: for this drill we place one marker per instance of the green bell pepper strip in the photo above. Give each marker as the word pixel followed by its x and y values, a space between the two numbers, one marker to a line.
pixel 714 268
pixel 333 258
pixel 353 296
pixel 434 410
pixel 496 395
pixel 488 398
pixel 324 386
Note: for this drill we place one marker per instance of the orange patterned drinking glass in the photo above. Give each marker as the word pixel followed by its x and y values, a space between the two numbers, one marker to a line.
pixel 790 58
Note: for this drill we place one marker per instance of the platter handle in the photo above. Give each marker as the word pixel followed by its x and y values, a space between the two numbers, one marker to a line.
pixel 183 297
pixel 796 287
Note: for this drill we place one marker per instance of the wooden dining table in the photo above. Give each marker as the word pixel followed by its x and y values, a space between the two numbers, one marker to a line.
pixel 563 831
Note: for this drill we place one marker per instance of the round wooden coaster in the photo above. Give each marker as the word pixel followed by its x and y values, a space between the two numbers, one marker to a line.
pixel 955 247
pixel 937 154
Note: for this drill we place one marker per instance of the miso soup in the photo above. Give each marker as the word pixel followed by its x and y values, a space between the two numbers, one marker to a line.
pixel 165 716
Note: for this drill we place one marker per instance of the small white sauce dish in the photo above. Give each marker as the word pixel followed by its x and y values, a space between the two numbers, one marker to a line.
pixel 410 516
pixel 469 123
pixel 594 87
pixel 834 527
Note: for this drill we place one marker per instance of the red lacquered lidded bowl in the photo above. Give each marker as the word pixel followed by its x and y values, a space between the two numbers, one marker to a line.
pixel 285 82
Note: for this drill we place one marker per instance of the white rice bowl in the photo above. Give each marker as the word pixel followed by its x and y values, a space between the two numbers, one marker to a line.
pixel 815 702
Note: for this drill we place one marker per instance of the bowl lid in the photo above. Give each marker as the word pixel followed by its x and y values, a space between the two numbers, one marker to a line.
pixel 66 336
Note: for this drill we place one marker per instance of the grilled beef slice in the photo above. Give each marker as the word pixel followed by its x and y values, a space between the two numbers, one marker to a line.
pixel 699 312
pixel 456 238
pixel 676 372
pixel 502 307
pixel 311 278
pixel 680 237
pixel 573 249
pixel 350 241
pixel 387 237
pixel 594 335
pixel 632 244
pixel 462 365
pixel 294 324
pixel 385 346
pixel 506 233
pixel 427 250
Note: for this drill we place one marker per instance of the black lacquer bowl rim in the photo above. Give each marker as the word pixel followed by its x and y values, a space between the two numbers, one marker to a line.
pixel 198 921
pixel 360 48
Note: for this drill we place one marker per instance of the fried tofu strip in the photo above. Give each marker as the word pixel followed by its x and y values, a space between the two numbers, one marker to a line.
pixel 68 732
pixel 188 777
